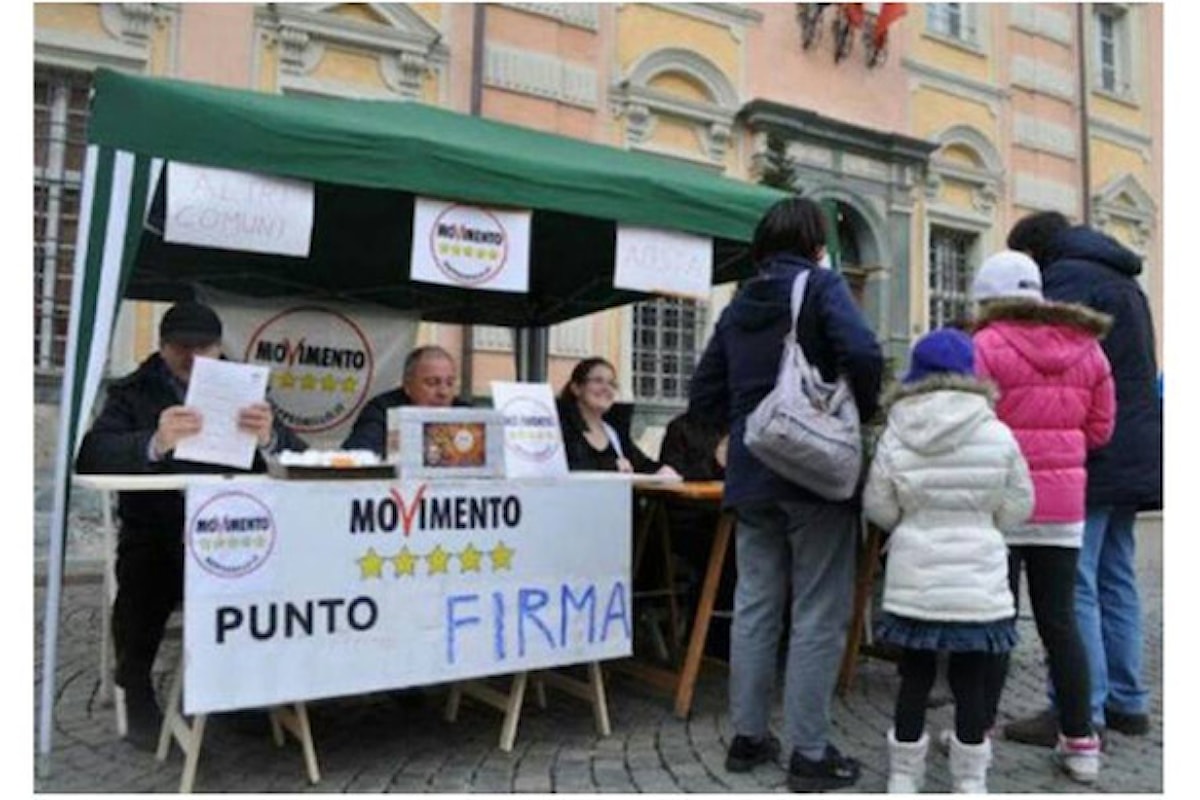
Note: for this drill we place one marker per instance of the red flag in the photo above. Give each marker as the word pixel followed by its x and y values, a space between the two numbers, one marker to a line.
pixel 889 13
pixel 854 14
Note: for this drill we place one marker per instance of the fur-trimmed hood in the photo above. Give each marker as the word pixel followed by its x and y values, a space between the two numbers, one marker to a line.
pixel 942 381
pixel 938 413
pixel 1050 336
pixel 1072 315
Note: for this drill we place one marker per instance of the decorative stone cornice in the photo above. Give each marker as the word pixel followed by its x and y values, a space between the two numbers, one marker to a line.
pixel 641 104
pixel 132 23
pixel 810 127
pixel 1109 205
pixel 406 46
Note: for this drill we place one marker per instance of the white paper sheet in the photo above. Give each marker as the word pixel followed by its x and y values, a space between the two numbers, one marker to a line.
pixel 218 390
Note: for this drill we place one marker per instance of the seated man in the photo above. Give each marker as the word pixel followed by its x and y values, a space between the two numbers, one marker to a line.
pixel 142 420
pixel 429 380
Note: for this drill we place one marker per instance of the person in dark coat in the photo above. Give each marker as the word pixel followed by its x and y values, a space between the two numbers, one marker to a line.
pixel 594 436
pixel 1082 265
pixel 786 535
pixel 430 376
pixel 142 420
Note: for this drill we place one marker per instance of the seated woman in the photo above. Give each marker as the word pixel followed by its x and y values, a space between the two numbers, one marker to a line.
pixel 591 441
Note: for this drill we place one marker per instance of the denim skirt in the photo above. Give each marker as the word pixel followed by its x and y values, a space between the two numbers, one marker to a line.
pixel 999 636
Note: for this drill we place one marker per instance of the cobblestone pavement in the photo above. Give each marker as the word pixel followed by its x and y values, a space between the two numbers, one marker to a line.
pixel 398 742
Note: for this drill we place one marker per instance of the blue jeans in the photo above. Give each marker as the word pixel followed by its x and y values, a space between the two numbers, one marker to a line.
pixel 807 548
pixel 1109 612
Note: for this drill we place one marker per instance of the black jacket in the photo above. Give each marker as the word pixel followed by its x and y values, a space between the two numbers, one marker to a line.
pixel 1088 267
pixel 582 456
pixel 120 437
pixel 690 447
pixel 741 362
pixel 370 429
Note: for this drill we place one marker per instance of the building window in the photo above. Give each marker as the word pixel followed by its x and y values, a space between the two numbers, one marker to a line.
pixel 949 275
pixel 667 337
pixel 952 20
pixel 1112 57
pixel 60 114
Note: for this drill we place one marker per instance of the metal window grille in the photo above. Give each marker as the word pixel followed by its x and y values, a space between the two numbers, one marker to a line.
pixel 667 337
pixel 949 275
pixel 60 114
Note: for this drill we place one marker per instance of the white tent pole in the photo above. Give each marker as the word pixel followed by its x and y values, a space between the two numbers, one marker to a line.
pixel 64 448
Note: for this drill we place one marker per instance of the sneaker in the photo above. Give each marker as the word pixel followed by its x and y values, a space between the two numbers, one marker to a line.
pixel 746 753
pixel 1040 730
pixel 834 771
pixel 1128 724
pixel 1079 757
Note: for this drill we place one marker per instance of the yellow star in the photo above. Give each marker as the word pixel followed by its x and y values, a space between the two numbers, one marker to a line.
pixel 404 563
pixel 308 382
pixel 501 557
pixel 469 251
pixel 371 565
pixel 350 385
pixel 438 560
pixel 470 558
pixel 287 380
pixel 329 383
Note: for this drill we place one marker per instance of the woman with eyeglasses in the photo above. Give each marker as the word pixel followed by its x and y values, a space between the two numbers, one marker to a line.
pixel 593 438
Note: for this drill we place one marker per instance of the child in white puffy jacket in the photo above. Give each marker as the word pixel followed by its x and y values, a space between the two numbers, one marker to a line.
pixel 947 478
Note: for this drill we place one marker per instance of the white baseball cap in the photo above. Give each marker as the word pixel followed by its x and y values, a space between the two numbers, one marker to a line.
pixel 1007 274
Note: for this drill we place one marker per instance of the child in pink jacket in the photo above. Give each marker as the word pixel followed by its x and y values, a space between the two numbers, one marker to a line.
pixel 1057 396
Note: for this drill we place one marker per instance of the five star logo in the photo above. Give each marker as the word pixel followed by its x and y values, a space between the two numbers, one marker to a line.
pixel 371 565
pixel 438 560
pixel 405 563
pixel 470 559
pixel 501 557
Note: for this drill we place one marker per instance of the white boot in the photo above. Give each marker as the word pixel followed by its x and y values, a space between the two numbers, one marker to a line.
pixel 969 766
pixel 906 764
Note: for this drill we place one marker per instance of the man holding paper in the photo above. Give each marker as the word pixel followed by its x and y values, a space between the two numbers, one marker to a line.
pixel 143 421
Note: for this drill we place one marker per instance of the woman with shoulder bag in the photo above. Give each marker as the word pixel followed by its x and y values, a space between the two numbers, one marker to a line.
pixel 787 536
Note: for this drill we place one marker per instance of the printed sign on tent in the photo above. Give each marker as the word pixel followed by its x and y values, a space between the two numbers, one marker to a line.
pixel 663 262
pixel 327 360
pixel 308 589
pixel 533 443
pixel 470 246
pixel 228 210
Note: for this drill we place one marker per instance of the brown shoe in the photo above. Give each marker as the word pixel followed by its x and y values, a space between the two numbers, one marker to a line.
pixel 1040 730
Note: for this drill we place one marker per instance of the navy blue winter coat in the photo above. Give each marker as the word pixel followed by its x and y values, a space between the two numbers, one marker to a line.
pixel 741 362
pixel 1088 267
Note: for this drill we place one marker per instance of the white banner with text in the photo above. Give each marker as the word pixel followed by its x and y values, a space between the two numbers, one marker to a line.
pixel 228 210
pixel 302 590
pixel 663 262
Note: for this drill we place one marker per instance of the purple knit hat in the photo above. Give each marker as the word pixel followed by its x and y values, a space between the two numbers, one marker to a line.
pixel 943 350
